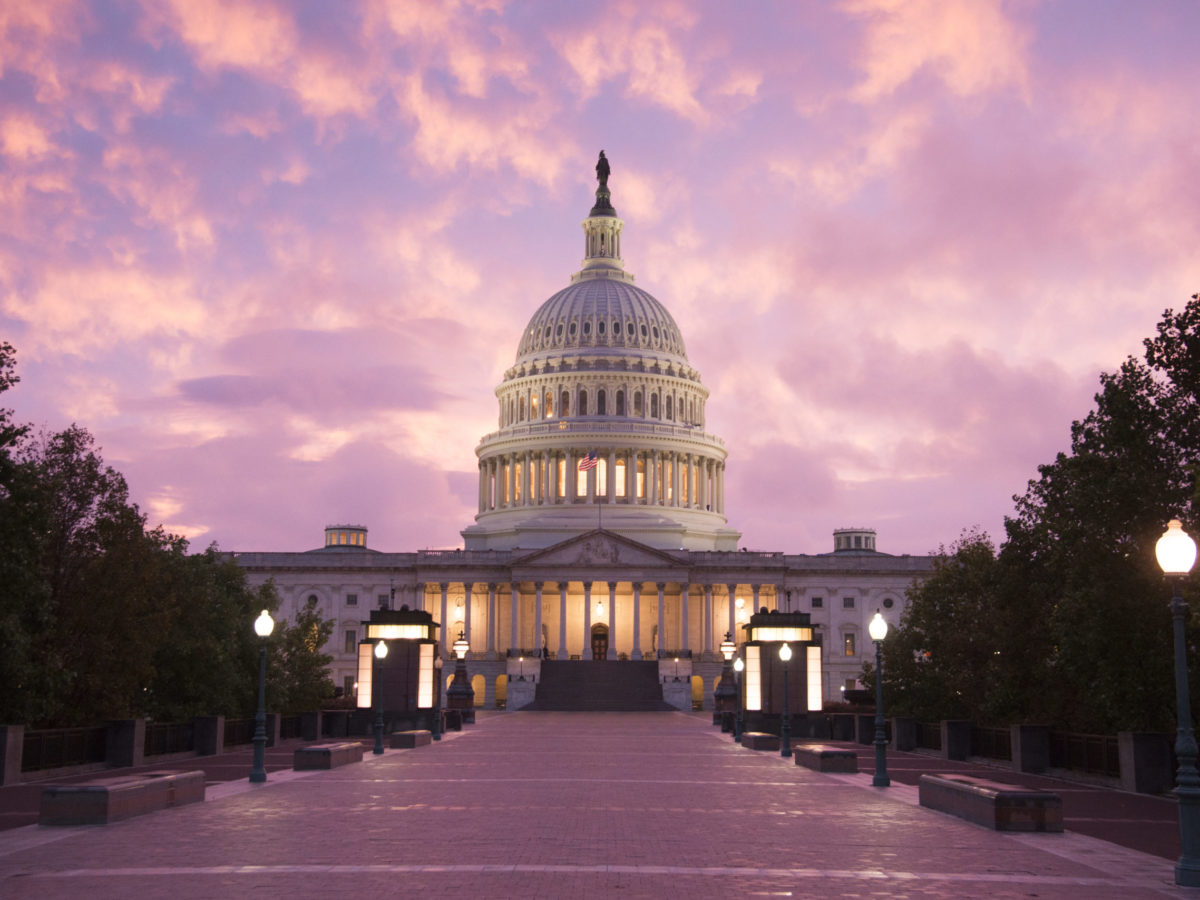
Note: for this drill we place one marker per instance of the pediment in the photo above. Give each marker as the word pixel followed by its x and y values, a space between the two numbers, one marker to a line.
pixel 597 550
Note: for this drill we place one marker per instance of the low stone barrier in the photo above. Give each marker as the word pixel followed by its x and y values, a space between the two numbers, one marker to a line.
pixel 327 756
pixel 825 758
pixel 406 740
pixel 107 800
pixel 1002 807
pixel 760 740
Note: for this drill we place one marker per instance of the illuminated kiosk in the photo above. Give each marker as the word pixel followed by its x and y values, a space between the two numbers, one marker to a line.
pixel 762 684
pixel 408 675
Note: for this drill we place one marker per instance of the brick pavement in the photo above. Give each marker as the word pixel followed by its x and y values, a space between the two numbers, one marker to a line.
pixel 568 804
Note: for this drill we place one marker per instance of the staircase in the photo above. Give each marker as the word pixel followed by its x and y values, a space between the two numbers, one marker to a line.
pixel 599 686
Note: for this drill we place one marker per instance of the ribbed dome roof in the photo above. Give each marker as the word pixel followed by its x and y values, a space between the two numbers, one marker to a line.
pixel 597 313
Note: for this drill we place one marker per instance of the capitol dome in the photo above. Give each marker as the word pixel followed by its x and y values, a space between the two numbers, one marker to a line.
pixel 601 418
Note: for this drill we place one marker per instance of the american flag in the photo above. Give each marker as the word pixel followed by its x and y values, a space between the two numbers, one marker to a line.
pixel 589 462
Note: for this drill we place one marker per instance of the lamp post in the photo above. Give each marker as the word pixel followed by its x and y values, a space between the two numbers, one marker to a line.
pixel 521 661
pixel 739 666
pixel 437 699
pixel 377 690
pixel 263 626
pixel 1176 553
pixel 878 629
pixel 785 725
pixel 723 695
pixel 460 696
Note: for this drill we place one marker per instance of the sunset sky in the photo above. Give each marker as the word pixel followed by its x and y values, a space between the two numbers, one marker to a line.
pixel 275 256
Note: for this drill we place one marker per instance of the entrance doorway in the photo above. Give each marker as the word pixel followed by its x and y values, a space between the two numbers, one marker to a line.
pixel 599 642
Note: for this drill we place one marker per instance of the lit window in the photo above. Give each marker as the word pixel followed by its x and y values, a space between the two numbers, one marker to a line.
pixel 619 474
pixel 641 479
pixel 602 478
pixel 848 644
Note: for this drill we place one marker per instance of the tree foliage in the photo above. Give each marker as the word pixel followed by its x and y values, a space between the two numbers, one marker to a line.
pixel 1071 614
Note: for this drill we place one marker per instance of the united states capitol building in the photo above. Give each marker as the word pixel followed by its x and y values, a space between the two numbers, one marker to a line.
pixel 601 529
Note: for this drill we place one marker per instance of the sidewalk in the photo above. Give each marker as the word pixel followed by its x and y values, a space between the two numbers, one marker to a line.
pixel 575 804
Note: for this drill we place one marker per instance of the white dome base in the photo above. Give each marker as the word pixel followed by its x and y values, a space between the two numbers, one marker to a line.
pixel 661 528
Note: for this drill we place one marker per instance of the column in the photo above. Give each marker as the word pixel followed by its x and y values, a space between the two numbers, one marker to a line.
pixel 707 635
pixel 587 621
pixel 733 629
pixel 675 461
pixel 446 639
pixel 511 478
pixel 651 486
pixel 490 627
pixel 572 478
pixel 537 620
pixel 610 489
pixel 612 620
pixel 684 590
pixel 527 481
pixel 637 621
pixel 662 617
pixel 562 620
pixel 514 642
pixel 419 596
pixel 630 476
pixel 483 468
pixel 468 588
pixel 702 487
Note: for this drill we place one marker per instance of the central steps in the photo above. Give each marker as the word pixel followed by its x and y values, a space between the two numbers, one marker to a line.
pixel 597 685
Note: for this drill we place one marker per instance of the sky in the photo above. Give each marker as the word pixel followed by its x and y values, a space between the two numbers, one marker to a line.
pixel 275 256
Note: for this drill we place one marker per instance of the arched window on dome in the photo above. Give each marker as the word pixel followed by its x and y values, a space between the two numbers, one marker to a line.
pixel 521 410
pixel 620 403
pixel 619 474
pixel 549 405
pixel 641 480
pixel 533 407
pixel 582 405
pixel 637 404
pixel 654 406
pixel 564 408
pixel 669 407
pixel 601 402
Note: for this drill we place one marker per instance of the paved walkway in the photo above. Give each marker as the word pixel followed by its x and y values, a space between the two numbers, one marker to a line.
pixel 568 804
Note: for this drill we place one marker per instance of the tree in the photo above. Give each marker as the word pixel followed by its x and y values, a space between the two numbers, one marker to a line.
pixel 299 670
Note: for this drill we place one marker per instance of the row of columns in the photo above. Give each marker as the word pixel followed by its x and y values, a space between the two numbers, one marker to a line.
pixel 709 638
pixel 533 478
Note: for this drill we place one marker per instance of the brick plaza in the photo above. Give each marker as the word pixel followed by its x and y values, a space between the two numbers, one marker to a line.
pixel 577 805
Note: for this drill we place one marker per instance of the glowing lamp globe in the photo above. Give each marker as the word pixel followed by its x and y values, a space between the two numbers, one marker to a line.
pixel 1176 551
pixel 878 628
pixel 264 624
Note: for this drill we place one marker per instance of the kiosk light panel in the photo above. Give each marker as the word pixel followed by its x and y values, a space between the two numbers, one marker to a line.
pixel 781 633
pixel 753 676
pixel 425 677
pixel 815 694
pixel 365 670
pixel 397 632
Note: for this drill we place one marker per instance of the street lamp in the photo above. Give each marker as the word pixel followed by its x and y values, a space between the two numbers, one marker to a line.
pixel 878 629
pixel 377 689
pixel 521 661
pixel 785 727
pixel 437 698
pixel 1176 554
pixel 723 695
pixel 739 666
pixel 263 626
